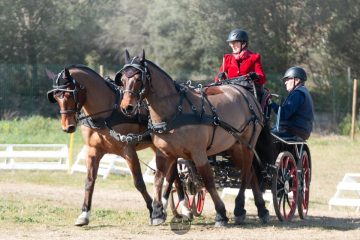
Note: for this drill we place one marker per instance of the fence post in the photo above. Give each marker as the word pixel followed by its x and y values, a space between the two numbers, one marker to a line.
pixel 70 154
pixel 353 116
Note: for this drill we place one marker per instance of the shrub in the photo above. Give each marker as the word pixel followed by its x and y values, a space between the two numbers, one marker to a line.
pixel 345 125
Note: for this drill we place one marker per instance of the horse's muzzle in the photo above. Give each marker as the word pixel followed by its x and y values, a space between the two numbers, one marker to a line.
pixel 129 110
pixel 70 129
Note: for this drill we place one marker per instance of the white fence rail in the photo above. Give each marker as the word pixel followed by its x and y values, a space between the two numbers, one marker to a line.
pixel 347 192
pixel 110 163
pixel 22 156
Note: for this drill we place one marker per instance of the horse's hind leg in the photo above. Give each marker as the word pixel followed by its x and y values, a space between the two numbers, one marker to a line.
pixel 166 166
pixel 207 174
pixel 92 165
pixel 172 176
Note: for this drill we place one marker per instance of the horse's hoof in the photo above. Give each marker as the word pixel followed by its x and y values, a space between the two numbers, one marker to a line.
pixel 240 219
pixel 221 224
pixel 156 221
pixel 186 218
pixel 81 221
pixel 265 218
pixel 187 214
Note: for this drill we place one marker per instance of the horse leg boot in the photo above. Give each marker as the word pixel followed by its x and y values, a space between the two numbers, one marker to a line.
pixel 207 175
pixel 263 213
pixel 92 165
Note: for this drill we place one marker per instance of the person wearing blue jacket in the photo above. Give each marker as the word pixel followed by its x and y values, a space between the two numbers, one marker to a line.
pixel 297 111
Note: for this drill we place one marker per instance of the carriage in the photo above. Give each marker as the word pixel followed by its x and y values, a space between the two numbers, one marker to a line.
pixel 188 113
pixel 230 107
pixel 288 178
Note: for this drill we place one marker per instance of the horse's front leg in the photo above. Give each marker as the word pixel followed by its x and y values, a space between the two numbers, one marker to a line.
pixel 92 165
pixel 133 162
pixel 207 174
pixel 165 166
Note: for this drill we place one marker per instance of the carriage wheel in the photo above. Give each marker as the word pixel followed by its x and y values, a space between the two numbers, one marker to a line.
pixel 197 203
pixel 174 202
pixel 284 186
pixel 304 179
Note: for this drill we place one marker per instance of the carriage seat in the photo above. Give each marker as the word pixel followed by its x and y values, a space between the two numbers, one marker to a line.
pixel 290 140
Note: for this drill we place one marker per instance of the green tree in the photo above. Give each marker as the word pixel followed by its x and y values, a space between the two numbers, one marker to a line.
pixel 47 31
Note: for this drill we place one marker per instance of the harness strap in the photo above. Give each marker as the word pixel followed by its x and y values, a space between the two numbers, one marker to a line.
pixel 131 137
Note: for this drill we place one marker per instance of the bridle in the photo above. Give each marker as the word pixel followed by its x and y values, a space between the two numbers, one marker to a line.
pixel 145 77
pixel 65 83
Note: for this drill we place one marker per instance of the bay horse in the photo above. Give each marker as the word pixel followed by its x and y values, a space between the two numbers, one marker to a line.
pixel 106 130
pixel 194 124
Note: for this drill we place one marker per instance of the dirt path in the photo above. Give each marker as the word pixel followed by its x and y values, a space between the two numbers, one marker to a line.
pixel 320 225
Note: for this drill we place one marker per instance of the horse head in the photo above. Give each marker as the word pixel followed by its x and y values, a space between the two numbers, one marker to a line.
pixel 134 79
pixel 70 96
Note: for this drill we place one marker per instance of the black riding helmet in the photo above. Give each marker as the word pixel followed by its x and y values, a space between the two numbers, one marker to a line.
pixel 295 72
pixel 238 35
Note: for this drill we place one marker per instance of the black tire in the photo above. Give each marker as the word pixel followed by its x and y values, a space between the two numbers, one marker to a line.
pixel 285 187
pixel 174 202
pixel 198 202
pixel 194 196
pixel 304 179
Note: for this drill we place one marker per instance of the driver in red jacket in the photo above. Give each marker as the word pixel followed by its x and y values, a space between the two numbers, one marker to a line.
pixel 242 61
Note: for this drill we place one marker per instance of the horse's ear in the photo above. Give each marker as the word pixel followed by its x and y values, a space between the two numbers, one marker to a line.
pixel 127 56
pixel 67 73
pixel 142 56
pixel 50 74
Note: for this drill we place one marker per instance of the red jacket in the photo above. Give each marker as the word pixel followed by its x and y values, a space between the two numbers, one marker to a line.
pixel 249 62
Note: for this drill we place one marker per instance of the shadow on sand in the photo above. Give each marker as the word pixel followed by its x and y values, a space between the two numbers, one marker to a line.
pixel 320 222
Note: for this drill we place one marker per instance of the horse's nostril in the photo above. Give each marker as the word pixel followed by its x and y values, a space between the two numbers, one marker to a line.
pixel 70 129
pixel 129 109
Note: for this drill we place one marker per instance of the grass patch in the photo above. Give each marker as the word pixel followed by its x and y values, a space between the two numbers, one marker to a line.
pixel 332 157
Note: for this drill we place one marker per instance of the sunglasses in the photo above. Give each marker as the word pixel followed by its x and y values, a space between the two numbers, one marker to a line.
pixel 287 79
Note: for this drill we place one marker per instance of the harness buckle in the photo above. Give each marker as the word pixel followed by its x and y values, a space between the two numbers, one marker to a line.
pixel 216 121
pixel 128 139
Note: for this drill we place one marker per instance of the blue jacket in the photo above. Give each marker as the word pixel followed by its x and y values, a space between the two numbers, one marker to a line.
pixel 297 112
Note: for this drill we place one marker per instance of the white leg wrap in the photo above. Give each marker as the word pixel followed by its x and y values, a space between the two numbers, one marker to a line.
pixel 164 203
pixel 184 208
pixel 85 215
